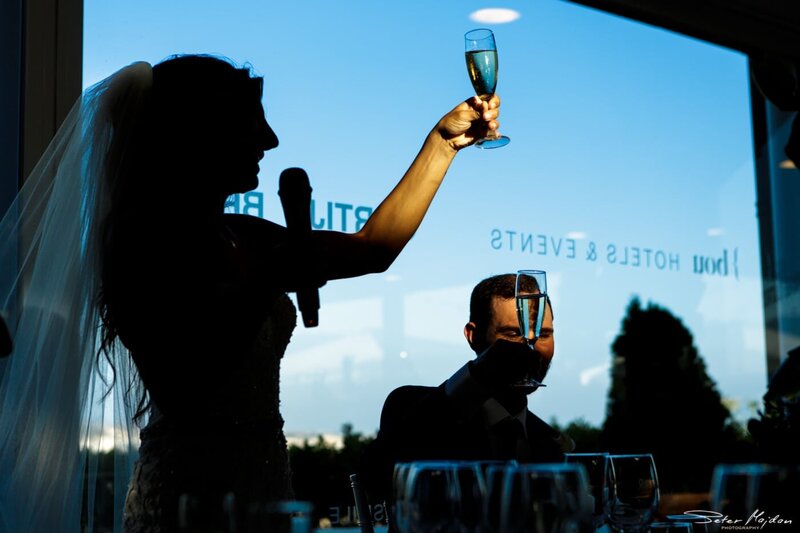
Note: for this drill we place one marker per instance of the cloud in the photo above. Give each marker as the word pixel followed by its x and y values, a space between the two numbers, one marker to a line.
pixel 590 374
pixel 495 15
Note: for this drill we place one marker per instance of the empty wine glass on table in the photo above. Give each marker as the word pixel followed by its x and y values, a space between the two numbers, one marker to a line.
pixel 578 503
pixel 637 496
pixel 733 489
pixel 444 496
pixel 428 497
pixel 399 508
pixel 529 500
pixel 494 473
pixel 602 487
pixel 531 300
pixel 545 498
pixel 748 490
pixel 470 495
pixel 481 55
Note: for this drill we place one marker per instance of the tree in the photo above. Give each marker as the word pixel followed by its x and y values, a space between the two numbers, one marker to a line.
pixel 662 401
pixel 321 471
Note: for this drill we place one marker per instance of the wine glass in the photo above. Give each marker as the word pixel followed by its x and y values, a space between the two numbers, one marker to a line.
pixel 444 496
pixel 601 482
pixel 548 497
pixel 481 55
pixel 470 495
pixel 529 501
pixel 494 474
pixel 577 503
pixel 428 497
pixel 531 300
pixel 637 495
pixel 399 511
pixel 755 491
pixel 733 489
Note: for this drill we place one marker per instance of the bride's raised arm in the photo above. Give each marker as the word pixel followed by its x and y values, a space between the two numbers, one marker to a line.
pixel 394 222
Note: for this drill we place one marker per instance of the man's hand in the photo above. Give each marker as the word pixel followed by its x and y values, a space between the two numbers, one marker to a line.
pixel 504 363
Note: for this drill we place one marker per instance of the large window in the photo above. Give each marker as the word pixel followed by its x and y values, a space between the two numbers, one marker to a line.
pixel 629 173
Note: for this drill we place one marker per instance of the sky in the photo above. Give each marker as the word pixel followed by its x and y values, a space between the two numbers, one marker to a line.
pixel 629 174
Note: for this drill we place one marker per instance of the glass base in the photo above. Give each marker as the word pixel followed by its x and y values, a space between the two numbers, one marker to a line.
pixel 492 142
pixel 527 385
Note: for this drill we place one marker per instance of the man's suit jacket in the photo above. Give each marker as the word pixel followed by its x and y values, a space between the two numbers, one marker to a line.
pixel 421 423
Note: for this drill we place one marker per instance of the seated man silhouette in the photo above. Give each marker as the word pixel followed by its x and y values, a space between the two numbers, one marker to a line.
pixel 478 413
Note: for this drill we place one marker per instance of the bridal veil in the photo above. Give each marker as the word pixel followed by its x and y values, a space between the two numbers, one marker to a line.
pixel 56 420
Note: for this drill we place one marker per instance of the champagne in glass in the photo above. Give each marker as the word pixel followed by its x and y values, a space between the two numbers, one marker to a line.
pixel 482 67
pixel 481 55
pixel 531 301
pixel 530 312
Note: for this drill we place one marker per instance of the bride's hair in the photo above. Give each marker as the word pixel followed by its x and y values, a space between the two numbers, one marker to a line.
pixel 151 155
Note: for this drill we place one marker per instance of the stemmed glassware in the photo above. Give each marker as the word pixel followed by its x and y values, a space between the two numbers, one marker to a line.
pixel 428 497
pixel 733 489
pixel 442 496
pixel 494 474
pixel 399 511
pixel 531 300
pixel 470 496
pixel 740 491
pixel 544 498
pixel 481 55
pixel 637 495
pixel 602 486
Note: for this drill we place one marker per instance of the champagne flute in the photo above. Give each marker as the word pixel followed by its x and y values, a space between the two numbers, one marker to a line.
pixel 481 55
pixel 531 300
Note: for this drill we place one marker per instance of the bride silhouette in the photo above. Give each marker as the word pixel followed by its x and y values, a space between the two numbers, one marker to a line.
pixel 194 297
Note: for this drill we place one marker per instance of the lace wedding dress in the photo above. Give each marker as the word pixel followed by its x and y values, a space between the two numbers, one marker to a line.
pixel 241 450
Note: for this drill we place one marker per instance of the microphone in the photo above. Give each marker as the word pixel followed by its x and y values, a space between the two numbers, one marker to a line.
pixel 6 346
pixel 295 193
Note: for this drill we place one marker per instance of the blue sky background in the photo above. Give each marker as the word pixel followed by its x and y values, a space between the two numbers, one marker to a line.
pixel 621 134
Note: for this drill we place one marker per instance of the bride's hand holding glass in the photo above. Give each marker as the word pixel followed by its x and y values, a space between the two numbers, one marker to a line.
pixel 482 66
pixel 469 122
